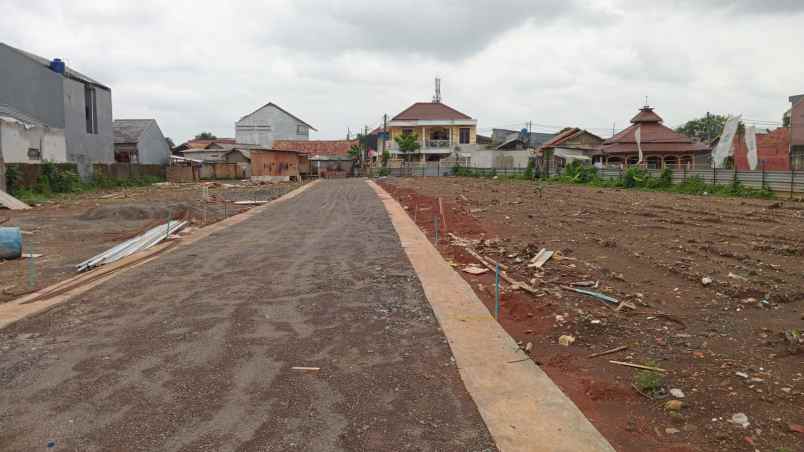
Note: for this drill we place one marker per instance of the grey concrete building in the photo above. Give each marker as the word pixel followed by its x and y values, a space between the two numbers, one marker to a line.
pixel 140 141
pixel 60 98
pixel 268 123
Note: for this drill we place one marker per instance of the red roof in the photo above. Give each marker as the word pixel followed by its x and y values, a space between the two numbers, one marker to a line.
pixel 655 137
pixel 429 111
pixel 316 147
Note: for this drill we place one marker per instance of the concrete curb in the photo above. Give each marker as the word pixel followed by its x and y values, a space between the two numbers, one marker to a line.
pixel 23 307
pixel 522 408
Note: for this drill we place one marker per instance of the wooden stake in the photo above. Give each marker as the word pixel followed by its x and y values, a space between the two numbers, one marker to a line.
pixel 639 366
pixel 608 352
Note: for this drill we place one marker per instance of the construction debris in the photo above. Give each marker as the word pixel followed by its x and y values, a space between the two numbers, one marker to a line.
pixel 12 202
pixel 311 369
pixel 600 296
pixel 540 259
pixel 566 341
pixel 474 270
pixel 503 275
pixel 129 247
pixel 250 203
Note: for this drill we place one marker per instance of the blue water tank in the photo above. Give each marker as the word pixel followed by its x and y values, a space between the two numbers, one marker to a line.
pixel 10 243
pixel 58 66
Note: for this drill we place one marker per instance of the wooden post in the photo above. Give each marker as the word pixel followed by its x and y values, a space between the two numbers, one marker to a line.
pixel 443 215
pixel 792 179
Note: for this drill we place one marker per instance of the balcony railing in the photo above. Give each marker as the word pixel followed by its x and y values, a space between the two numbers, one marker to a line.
pixel 437 143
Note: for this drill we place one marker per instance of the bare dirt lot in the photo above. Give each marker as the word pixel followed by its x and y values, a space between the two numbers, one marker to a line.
pixel 721 342
pixel 73 228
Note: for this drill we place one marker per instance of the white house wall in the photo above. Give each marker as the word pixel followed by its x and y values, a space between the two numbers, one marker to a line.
pixel 16 140
pixel 152 148
pixel 499 159
pixel 268 124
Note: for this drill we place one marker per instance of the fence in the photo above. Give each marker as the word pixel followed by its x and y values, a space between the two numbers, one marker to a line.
pixel 433 169
pixel 778 181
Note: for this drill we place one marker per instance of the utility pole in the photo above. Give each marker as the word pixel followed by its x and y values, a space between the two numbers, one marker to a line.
pixel 348 133
pixel 384 133
pixel 613 128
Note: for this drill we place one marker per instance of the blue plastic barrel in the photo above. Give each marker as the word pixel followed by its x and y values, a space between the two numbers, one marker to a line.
pixel 10 243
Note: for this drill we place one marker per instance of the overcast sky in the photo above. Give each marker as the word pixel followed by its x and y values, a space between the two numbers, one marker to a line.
pixel 201 65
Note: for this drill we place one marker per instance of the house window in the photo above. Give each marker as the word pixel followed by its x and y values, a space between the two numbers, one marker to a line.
pixel 301 129
pixel 34 154
pixel 464 135
pixel 407 131
pixel 91 109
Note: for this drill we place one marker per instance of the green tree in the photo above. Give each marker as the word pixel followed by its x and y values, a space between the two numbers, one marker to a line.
pixel 170 142
pixel 705 128
pixel 354 151
pixel 408 143
pixel 206 136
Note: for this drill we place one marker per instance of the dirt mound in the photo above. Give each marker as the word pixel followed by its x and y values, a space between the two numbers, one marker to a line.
pixel 138 212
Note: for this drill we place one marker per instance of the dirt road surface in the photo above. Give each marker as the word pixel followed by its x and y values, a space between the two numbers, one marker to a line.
pixel 195 351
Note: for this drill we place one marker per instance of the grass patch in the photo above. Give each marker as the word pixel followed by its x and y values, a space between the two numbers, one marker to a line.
pixel 648 381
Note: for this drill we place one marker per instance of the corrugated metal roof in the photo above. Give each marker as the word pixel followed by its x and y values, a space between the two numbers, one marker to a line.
pixel 8 112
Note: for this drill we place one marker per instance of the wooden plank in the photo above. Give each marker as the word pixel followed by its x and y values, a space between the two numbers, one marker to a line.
pixel 12 202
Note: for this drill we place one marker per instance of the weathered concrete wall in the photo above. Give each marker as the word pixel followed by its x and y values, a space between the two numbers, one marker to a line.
pixel 183 173
pixel 268 124
pixel 31 88
pixel 220 171
pixel 16 140
pixel 84 148
pixel 499 159
pixel 127 171
pixel 153 148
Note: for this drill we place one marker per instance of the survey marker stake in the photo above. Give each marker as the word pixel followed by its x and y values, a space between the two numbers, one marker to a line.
pixel 497 294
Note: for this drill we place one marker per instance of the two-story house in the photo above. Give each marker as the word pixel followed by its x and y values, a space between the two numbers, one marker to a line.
pixel 57 97
pixel 268 123
pixel 440 129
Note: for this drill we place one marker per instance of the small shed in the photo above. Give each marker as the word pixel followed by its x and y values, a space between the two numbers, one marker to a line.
pixel 332 165
pixel 274 165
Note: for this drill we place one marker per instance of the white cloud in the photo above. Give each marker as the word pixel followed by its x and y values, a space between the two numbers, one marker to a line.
pixel 200 65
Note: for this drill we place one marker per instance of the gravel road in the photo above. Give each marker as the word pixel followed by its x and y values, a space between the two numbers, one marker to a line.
pixel 195 350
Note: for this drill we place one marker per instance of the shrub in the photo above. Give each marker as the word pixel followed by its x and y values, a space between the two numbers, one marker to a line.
pixel 635 177
pixel 12 174
pixel 578 173
pixel 529 171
